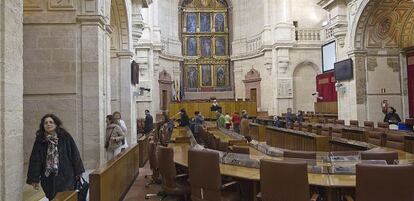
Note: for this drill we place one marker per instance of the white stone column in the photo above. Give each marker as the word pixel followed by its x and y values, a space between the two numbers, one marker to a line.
pixel 126 99
pixel 93 47
pixel 11 100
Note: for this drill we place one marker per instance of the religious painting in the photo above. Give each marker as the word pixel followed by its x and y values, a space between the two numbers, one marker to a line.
pixel 206 75
pixel 192 76
pixel 220 46
pixel 191 22
pixel 219 22
pixel 221 76
pixel 191 46
pixel 205 46
pixel 205 22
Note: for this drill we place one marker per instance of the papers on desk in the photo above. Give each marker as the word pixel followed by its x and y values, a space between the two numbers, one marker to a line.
pixel 344 158
pixel 240 160
pixel 343 169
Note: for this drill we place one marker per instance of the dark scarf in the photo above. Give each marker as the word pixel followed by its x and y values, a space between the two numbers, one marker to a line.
pixel 52 157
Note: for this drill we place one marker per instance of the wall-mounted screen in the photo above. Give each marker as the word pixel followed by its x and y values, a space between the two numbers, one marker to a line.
pixel 344 70
pixel 328 56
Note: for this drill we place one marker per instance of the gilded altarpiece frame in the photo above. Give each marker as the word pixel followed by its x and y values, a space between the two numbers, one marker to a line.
pixel 205 36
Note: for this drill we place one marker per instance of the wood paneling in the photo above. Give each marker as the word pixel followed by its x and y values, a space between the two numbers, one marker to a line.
pixel 204 107
pixel 296 140
pixel 143 150
pixel 257 132
pixel 112 180
pixel 326 107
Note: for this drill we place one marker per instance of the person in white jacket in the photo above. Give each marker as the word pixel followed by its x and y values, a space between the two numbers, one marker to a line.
pixel 121 123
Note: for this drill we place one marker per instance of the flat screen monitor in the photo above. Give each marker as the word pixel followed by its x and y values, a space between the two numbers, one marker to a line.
pixel 328 56
pixel 344 70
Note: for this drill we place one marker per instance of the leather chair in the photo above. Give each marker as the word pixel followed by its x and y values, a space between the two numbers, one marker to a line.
pixel 282 180
pixel 240 149
pixel 390 157
pixel 153 162
pixel 394 140
pixel 297 126
pixel 382 126
pixel 325 131
pixel 384 183
pixel 340 122
pixel 169 178
pixel 376 137
pixel 354 123
pixel 336 132
pixel 368 125
pixel 205 178
pixel 299 154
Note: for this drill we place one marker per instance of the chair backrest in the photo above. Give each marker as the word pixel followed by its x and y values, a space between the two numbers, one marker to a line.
pixel 354 123
pixel 152 155
pixel 325 131
pixel 394 140
pixel 336 132
pixel 167 167
pixel 384 182
pixel 341 122
pixel 204 172
pixel 390 157
pixel 240 149
pixel 383 125
pixel 282 180
pixel 297 126
pixel 375 137
pixel 368 124
pixel 299 154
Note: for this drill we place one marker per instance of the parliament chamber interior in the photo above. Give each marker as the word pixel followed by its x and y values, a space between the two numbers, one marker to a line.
pixel 207 100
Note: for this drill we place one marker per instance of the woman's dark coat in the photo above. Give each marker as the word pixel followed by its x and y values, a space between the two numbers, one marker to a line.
pixel 70 164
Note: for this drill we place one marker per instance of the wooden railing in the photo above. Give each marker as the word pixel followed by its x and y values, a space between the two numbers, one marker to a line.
pixel 204 107
pixel 66 196
pixel 143 150
pixel 112 180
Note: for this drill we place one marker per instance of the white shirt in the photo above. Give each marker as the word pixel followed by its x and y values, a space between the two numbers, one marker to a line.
pixel 124 129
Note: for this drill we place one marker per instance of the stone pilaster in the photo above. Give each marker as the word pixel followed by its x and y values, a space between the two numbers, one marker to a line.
pixel 11 100
pixel 94 107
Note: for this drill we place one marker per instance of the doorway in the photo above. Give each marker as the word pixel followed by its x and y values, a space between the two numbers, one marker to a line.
pixel 253 94
pixel 410 82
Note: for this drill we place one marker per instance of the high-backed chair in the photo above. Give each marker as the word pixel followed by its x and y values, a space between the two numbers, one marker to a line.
pixel 382 126
pixel 354 123
pixel 205 178
pixel 390 157
pixel 299 154
pixel 282 180
pixel 394 140
pixel 153 162
pixel 340 122
pixel 325 131
pixel 336 132
pixel 240 149
pixel 384 183
pixel 170 184
pixel 297 126
pixel 376 137
pixel 368 125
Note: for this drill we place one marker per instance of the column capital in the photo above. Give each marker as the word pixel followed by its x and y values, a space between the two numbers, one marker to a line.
pixel 125 54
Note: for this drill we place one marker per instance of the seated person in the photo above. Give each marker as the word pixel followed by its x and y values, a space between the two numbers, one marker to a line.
pixel 290 118
pixel 300 118
pixel 392 117
pixel 228 120
pixel 184 119
pixel 276 121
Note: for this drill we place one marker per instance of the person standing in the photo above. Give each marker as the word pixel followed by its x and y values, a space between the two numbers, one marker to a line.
pixel 235 119
pixel 221 121
pixel 121 123
pixel 199 123
pixel 114 137
pixel 184 119
pixel 149 122
pixel 55 161
pixel 244 124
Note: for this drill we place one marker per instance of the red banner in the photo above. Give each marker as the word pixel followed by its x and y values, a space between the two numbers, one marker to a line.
pixel 325 86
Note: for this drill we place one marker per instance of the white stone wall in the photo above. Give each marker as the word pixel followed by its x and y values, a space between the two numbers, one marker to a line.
pixel 11 101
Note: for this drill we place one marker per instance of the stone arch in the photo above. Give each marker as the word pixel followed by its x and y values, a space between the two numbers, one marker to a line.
pixel 182 2
pixel 165 85
pixel 251 82
pixel 381 29
pixel 304 84
pixel 120 39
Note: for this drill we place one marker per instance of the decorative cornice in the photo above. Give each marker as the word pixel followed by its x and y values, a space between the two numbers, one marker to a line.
pixel 92 19
pixel 252 80
pixel 128 54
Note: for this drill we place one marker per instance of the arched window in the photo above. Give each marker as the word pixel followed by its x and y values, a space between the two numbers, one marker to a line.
pixel 205 37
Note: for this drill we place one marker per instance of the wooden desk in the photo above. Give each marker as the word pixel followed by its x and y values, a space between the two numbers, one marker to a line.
pixel 66 196
pixel 257 132
pixel 296 140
